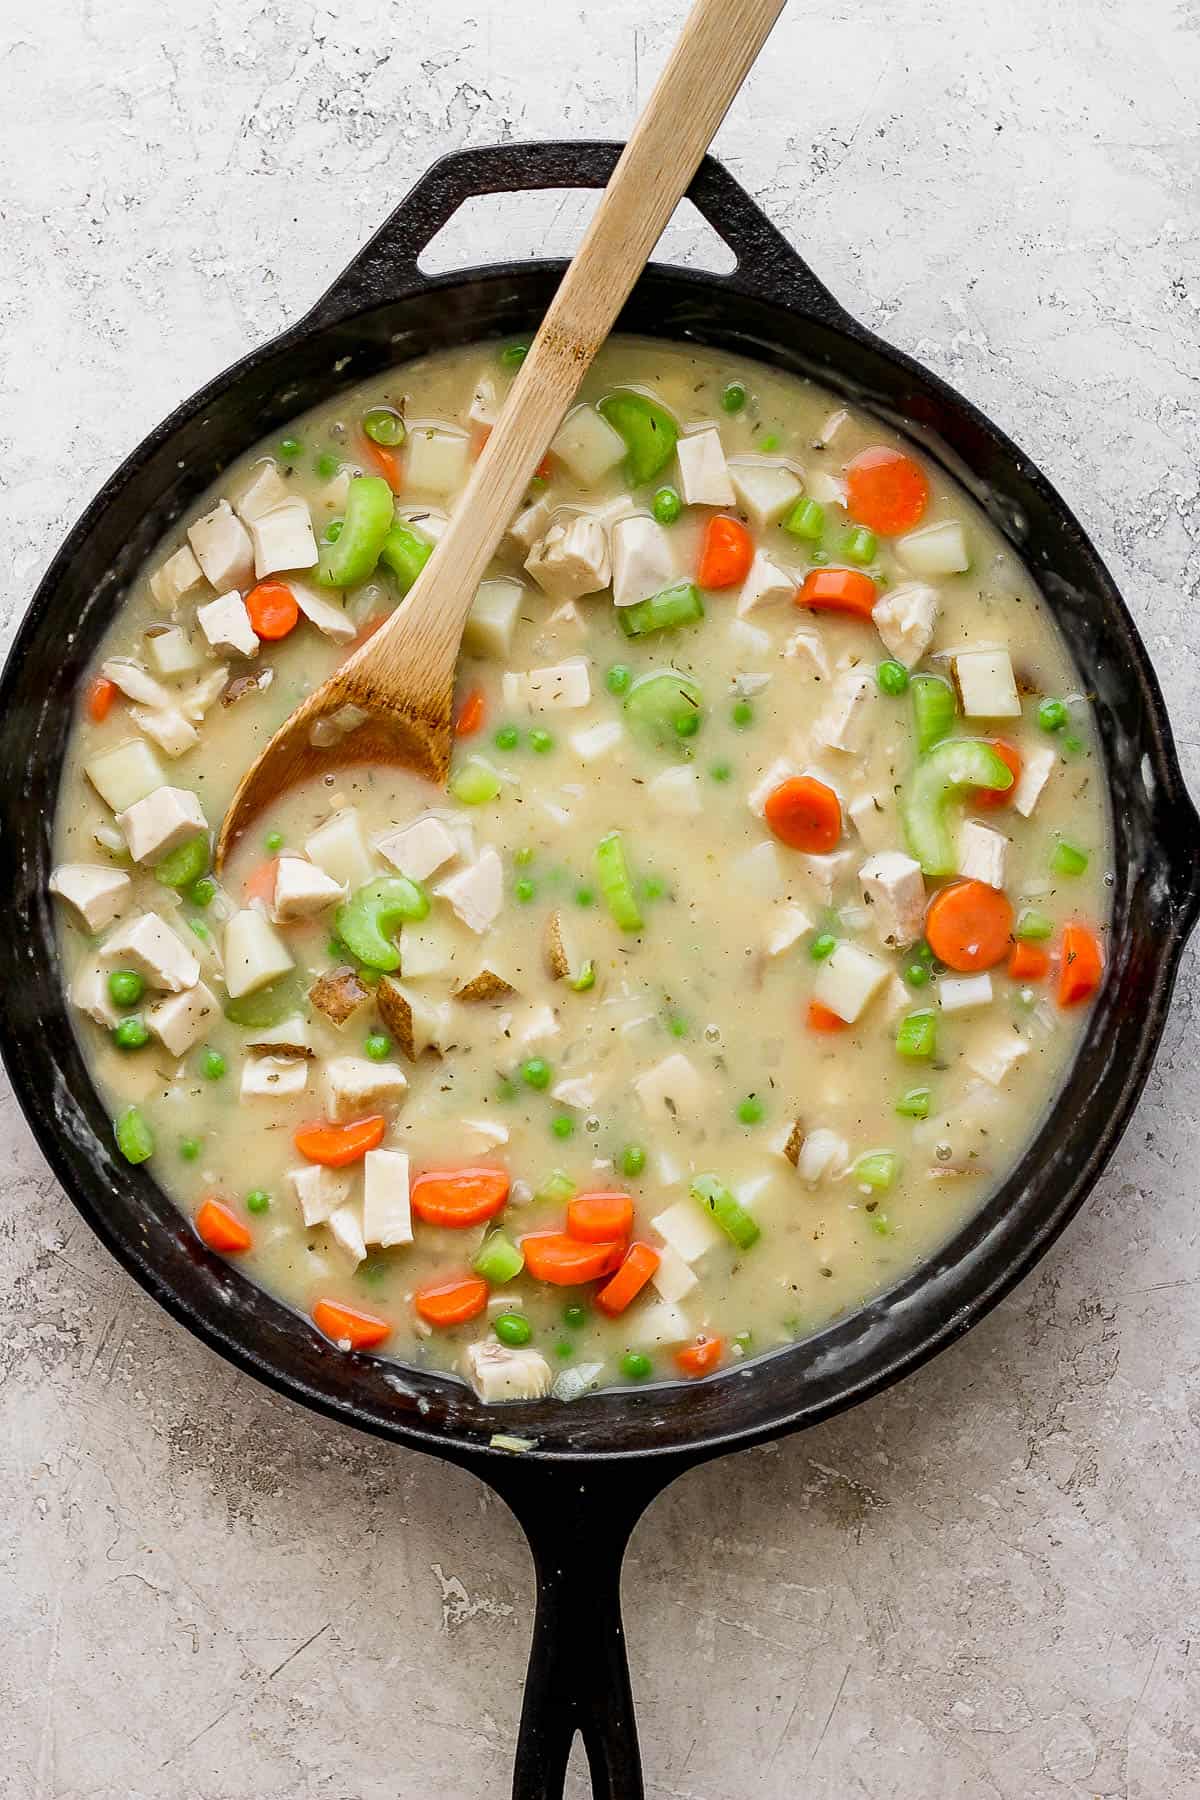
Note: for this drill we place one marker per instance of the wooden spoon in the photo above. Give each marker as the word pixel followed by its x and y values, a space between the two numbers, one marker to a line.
pixel 402 678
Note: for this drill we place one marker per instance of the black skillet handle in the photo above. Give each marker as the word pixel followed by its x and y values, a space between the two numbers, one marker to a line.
pixel 386 268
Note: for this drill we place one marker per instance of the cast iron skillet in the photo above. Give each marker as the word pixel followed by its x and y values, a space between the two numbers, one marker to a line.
pixel 598 1462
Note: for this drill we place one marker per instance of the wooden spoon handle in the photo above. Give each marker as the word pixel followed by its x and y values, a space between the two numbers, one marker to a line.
pixel 719 42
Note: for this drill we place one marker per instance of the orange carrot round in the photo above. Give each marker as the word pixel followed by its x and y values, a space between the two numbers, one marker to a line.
pixel 805 814
pixel 456 1198
pixel 886 490
pixel 346 1325
pixel 221 1229
pixel 641 1260
pixel 272 608
pixel 599 1218
pixel 991 797
pixel 100 696
pixel 260 883
pixel 968 926
pixel 838 590
pixel 823 1018
pixel 335 1146
pixel 726 553
pixel 470 714
pixel 553 1256
pixel 446 1303
pixel 700 1357
pixel 1028 962
pixel 1082 966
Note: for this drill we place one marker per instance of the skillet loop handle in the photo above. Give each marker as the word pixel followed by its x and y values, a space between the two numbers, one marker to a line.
pixel 386 268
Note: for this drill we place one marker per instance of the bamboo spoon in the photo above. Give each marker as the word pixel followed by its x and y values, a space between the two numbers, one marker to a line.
pixel 402 679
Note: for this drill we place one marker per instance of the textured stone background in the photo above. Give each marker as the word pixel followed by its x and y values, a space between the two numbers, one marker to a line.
pixel 983 1586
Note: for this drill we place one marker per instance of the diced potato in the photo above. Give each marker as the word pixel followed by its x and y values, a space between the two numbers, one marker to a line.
pixel 1035 773
pixel 166 727
pixel 223 548
pixel 493 619
pixel 905 618
pixel 90 995
pixel 181 1020
pixel 703 471
pixel 848 980
pixel 387 1217
pixel 226 624
pixel 982 854
pixel 997 1056
pixel 894 889
pixel 319 1191
pixel 161 822
pixel 264 490
pixel 436 460
pixel 765 585
pixel 418 850
pixel 562 687
pixel 323 611
pixel 291 1037
pixel 96 895
pixel 588 445
pixel 498 1373
pixel 759 871
pixel 963 993
pixel 149 946
pixel 338 848
pixel 302 890
pixel 345 1224
pixel 338 993
pixel 765 489
pixel 416 1022
pixel 655 1324
pixel 645 560
pixel 986 684
pixel 934 550
pixel 571 560
pixel 676 792
pixel 179 576
pixel 672 1279
pixel 529 526
pixel 355 1087
pixel 786 925
pixel 688 1230
pixel 674 1090
pixel 255 955
pixel 172 652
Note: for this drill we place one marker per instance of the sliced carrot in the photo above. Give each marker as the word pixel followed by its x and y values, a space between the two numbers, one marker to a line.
pixel 545 468
pixel 990 797
pixel 452 1302
pixel 599 1218
pixel 639 1265
pixel 700 1357
pixel 459 1197
pixel 804 814
pixel 1028 962
pixel 346 1325
pixel 886 490
pixel 387 463
pixel 221 1229
pixel 100 696
pixel 479 439
pixel 838 590
pixel 337 1145
pixel 968 926
pixel 367 629
pixel 726 554
pixel 470 714
pixel 553 1256
pixel 272 608
pixel 260 883
pixel 1082 966
pixel 823 1018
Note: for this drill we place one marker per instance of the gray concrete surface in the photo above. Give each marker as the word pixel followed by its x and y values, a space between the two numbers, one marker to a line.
pixel 983 1586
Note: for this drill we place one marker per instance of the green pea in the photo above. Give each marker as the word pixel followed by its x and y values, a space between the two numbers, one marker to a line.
pixel 203 892
pixel 892 678
pixel 512 1329
pixel 733 397
pixel 332 531
pixel 540 740
pixel 290 448
pixel 818 558
pixel 383 425
pixel 769 443
pixel 506 1089
pixel 212 1065
pixel 563 1126
pixel 507 738
pixel 513 355
pixel 618 678
pixel 751 1110
pixel 378 1046
pixel 125 987
pixel 823 945
pixel 1052 715
pixel 183 865
pixel 274 841
pixel 742 714
pixel 135 1140
pixel 653 888
pixel 200 929
pixel 916 974
pixel 636 1365
pixel 130 1034
pixel 721 771
pixel 667 506
pixel 524 891
pixel 535 1073
pixel 564 1350
pixel 327 465
pixel 633 1160
pixel 257 1200
pixel 687 725
pixel 575 1316
pixel 523 857
pixel 189 1149
pixel 584 896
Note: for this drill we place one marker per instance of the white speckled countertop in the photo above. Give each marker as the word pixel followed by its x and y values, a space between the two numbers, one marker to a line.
pixel 984 1585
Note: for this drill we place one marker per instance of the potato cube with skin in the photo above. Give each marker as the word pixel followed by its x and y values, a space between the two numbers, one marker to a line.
pixel 806 647
pixel 674 1090
pixel 179 576
pixel 530 525
pixel 181 1020
pixel 492 619
pixel 319 1191
pixel 497 1372
pixel 162 821
pixel 339 849
pixel 302 890
pixel 172 652
pixel 226 624
pixel 1035 773
pixel 894 889
pixel 222 547
pixel 982 854
pixel 283 539
pixel 265 489
pixel 905 618
pixel 644 560
pixel 149 946
pixel 766 584
pixel 166 727
pixel 822 1153
pixel 420 849
pixel 476 893
pixel 986 684
pixel 291 1037
pixel 416 1022
pixel 90 995
pixel 436 460
pixel 848 980
pixel 851 715
pixel 996 1057
pixel 323 611
pixel 96 895
pixel 356 1087
pixel 657 1324
pixel 688 1230
pixel 563 687
pixel 346 1226
pixel 786 925
pixel 588 445
pixel 765 489
pixel 387 1217
pixel 676 792
pixel 963 993
pixel 571 559
pixel 255 955
pixel 703 471
pixel 673 1279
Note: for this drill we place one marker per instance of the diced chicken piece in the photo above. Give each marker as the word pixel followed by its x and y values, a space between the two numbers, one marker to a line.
pixel 529 526
pixel 89 993
pixel 223 548
pixel 644 560
pixel 172 651
pixel 963 993
pixel 676 792
pixel 291 1037
pixel 319 1191
pixel 577 1092
pixel 822 1153
pixel 538 1027
pixel 759 871
pixel 356 1087
pixel 874 823
pixel 262 493
pixel 847 724
pixel 765 489
pixel 346 1226
pixel 479 1137
pixel 996 1057
pixel 597 741
pixel 427 521
pixel 302 890
pixel 674 1090
pixel 563 687
pixel 416 1022
pixel 786 925
pixel 688 1230
pixel 339 849
pixel 149 946
pixel 571 559
pixel 672 1279
pixel 226 624
pixel 420 849
pixel 498 1373
pixel 485 407
pixel 765 585
pixel 167 727
pixel 181 1020
pixel 588 445
pixel 1035 773
pixel 848 980
pixel 179 576
pixel 164 819
pixel 894 888
pixel 568 618
pixel 935 550
pixel 196 700
pixel 338 993
pixel 982 854
pixel 436 460
pixel 986 684
pixel 806 647
pixel 96 895
pixel 748 642
pixel 826 489
pixel 830 428
pixel 703 471
pixel 476 893
pixel 255 955
pixel 387 1217
pixel 493 619
pixel 780 770
pixel 330 619
pixel 656 1324
pixel 135 682
pixel 905 618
